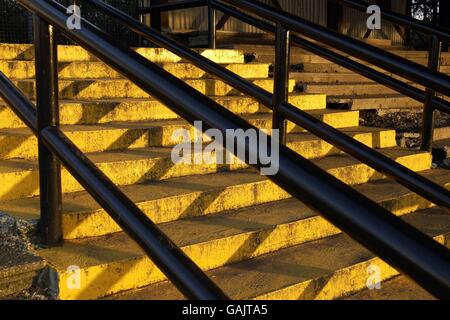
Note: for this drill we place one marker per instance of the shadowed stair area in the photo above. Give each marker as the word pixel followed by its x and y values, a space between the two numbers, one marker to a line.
pixel 343 87
pixel 250 236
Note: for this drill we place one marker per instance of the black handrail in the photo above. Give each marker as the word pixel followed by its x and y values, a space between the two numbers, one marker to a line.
pixel 431 103
pixel 342 60
pixel 399 19
pixel 409 70
pixel 167 256
pixel 386 235
pixel 412 180
pixel 437 37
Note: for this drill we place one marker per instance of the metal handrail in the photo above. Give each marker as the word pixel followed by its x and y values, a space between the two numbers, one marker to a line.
pixel 412 180
pixel 180 269
pixel 386 235
pixel 431 102
pixel 165 254
pixel 407 69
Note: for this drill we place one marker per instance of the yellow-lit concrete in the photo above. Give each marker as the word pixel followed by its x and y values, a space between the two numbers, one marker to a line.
pixel 120 88
pixel 76 53
pixel 115 110
pixel 20 177
pixel 21 143
pixel 251 236
pixel 325 269
pixel 25 69
pixel 398 288
pixel 179 197
pixel 322 269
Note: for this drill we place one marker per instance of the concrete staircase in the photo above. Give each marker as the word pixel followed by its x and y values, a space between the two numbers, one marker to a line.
pixel 250 236
pixel 344 88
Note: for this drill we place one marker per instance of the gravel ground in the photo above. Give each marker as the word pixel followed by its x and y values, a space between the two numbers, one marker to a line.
pixel 401 121
pixel 17 233
pixel 19 237
pixel 408 126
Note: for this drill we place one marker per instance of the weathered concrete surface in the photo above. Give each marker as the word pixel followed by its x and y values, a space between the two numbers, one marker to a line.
pixel 324 269
pixel 19 266
pixel 398 288
pixel 262 243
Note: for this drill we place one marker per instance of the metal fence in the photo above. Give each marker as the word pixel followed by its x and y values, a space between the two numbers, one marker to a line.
pixel 16 25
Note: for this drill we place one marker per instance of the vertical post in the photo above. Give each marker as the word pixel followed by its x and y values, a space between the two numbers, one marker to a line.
pixel 211 26
pixel 155 16
pixel 281 79
pixel 408 11
pixel 335 16
pixel 444 21
pixel 139 5
pixel 428 109
pixel 45 37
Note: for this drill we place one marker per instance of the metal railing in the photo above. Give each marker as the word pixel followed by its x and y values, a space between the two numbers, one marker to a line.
pixel 367 155
pixel 437 37
pixel 434 52
pixel 338 139
pixel 55 147
pixel 389 237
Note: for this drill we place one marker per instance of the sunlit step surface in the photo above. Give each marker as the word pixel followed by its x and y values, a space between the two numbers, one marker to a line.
pixel 114 110
pixel 182 196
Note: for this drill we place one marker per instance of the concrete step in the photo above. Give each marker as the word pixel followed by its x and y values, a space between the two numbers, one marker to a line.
pixel 397 288
pixel 251 48
pixel 18 268
pixel 77 53
pixel 266 54
pixel 323 68
pixel 25 69
pixel 21 143
pixel 331 78
pixel 335 68
pixel 442 133
pixel 445 69
pixel 282 266
pixel 370 102
pixel 348 89
pixel 335 78
pixel 324 269
pixel 180 197
pixel 117 110
pixel 20 177
pixel 121 88
pixel 302 58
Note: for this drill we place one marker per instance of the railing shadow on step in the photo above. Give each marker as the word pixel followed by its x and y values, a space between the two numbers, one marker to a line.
pixel 285 111
pixel 393 240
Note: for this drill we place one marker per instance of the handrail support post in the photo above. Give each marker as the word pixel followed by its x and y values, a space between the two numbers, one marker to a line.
pixel 211 26
pixel 156 18
pixel 45 37
pixel 281 80
pixel 428 109
pixel 141 18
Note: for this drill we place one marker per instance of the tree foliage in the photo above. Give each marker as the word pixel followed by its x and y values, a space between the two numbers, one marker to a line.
pixel 426 10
